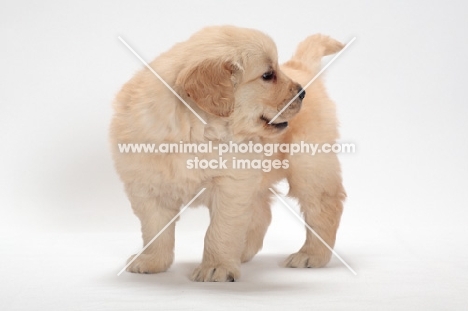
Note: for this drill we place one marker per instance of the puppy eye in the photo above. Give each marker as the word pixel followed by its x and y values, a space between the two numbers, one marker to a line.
pixel 269 75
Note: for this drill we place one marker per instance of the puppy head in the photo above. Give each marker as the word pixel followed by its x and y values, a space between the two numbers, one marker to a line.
pixel 233 73
pixel 266 99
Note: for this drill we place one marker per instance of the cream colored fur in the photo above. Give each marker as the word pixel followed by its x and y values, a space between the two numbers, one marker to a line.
pixel 218 72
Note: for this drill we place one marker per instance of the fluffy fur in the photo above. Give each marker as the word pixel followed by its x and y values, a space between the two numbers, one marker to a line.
pixel 219 72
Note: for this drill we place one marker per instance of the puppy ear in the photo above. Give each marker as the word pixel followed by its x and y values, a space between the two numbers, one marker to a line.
pixel 210 86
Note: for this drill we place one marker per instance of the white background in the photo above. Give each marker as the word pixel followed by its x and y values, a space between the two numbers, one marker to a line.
pixel 67 228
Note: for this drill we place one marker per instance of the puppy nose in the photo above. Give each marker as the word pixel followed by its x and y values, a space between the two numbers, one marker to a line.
pixel 301 92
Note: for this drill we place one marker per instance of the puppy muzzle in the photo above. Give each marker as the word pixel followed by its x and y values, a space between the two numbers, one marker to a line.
pixel 293 106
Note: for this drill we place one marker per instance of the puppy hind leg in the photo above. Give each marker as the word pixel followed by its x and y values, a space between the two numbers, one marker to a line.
pixel 321 199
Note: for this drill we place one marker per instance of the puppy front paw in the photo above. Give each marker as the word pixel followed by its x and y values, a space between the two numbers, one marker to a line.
pixel 215 273
pixel 305 260
pixel 148 263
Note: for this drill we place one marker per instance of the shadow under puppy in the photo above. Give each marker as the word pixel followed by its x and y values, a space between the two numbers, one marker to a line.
pixel 231 78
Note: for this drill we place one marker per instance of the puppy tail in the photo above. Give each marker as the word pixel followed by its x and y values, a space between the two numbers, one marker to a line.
pixel 309 52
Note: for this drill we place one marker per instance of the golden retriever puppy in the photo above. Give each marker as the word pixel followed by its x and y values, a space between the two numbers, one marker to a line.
pixel 231 78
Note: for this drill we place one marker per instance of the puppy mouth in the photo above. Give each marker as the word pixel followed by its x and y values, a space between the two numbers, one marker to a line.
pixel 279 125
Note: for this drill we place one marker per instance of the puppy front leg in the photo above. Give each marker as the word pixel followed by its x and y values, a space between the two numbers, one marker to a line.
pixel 230 215
pixel 159 255
pixel 261 219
